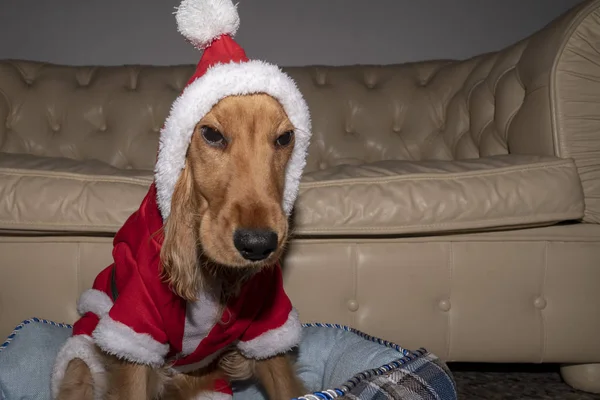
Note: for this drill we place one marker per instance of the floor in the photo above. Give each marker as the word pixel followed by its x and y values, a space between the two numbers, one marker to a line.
pixel 514 382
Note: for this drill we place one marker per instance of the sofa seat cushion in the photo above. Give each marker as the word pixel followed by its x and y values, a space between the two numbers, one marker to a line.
pixel 45 194
pixel 403 197
pixel 64 195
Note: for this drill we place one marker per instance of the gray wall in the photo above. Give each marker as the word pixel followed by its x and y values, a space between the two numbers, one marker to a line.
pixel 287 32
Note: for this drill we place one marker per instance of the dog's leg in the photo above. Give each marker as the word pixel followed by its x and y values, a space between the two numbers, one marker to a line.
pixel 278 377
pixel 77 383
pixel 128 381
pixel 191 386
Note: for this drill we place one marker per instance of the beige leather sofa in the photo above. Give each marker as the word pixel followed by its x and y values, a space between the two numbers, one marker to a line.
pixel 448 204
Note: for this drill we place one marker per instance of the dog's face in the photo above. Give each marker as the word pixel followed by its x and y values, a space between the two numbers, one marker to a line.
pixel 237 159
pixel 227 202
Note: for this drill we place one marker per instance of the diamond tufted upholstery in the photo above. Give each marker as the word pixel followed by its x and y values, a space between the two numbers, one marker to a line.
pixel 428 111
pixel 110 114
pixel 447 204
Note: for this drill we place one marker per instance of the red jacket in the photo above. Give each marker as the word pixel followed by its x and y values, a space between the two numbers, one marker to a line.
pixel 149 324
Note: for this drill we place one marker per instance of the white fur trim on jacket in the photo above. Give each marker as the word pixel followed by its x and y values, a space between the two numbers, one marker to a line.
pixel 95 301
pixel 276 341
pixel 202 21
pixel 199 97
pixel 120 340
pixel 212 396
pixel 82 347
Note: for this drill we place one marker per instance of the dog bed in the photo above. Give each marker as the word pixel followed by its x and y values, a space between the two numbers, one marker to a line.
pixel 333 361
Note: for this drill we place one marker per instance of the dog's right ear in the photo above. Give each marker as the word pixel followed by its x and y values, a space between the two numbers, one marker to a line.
pixel 179 252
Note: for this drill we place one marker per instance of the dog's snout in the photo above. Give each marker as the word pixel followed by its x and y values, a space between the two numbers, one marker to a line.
pixel 255 244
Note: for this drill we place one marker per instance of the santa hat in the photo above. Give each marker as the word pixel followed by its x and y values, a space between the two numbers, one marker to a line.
pixel 224 70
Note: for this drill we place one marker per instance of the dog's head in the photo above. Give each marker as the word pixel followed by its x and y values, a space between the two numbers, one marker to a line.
pixel 226 207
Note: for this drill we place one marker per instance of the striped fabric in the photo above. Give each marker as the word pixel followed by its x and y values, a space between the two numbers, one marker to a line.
pixel 426 378
pixel 27 322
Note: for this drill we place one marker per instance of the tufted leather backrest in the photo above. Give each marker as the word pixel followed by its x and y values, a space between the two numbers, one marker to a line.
pixel 113 114
pixel 440 110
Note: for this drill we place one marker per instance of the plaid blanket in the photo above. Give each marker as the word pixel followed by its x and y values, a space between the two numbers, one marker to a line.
pixel 419 376
pixel 424 378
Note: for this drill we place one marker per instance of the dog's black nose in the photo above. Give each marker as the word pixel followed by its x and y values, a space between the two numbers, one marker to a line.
pixel 255 244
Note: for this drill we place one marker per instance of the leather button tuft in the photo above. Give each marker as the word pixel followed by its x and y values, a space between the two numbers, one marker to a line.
pixel 540 303
pixel 444 305
pixel 353 305
pixel 55 127
pixel 321 78
pixel 370 79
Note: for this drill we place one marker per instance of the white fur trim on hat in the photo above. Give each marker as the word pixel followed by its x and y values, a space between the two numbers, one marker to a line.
pixel 199 97
pixel 275 341
pixel 82 347
pixel 120 340
pixel 202 21
pixel 95 301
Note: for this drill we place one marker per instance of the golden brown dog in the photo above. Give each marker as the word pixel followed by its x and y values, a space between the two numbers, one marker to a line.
pixel 226 223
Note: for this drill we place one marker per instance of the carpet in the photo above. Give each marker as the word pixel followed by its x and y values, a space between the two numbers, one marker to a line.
pixel 514 382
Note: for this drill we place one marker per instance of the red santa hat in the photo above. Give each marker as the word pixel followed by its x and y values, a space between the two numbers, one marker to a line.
pixel 224 70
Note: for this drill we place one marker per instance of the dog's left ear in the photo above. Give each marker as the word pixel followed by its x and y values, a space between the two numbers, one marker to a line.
pixel 179 252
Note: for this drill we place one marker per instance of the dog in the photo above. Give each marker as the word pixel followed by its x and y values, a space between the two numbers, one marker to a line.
pixel 226 225
pixel 194 298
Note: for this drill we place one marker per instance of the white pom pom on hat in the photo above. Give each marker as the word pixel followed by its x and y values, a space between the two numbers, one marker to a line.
pixel 202 21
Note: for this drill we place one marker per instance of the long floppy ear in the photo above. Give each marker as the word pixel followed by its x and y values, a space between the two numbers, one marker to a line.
pixel 179 252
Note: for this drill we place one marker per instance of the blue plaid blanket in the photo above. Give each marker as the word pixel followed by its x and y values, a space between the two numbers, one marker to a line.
pixel 417 375
pixel 425 378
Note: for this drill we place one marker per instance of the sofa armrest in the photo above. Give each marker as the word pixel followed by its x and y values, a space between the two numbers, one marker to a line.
pixel 560 72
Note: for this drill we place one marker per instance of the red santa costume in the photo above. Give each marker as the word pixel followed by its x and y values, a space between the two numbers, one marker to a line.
pixel 130 312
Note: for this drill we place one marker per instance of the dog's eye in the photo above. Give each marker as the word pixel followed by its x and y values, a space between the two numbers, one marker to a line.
pixel 284 139
pixel 213 137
